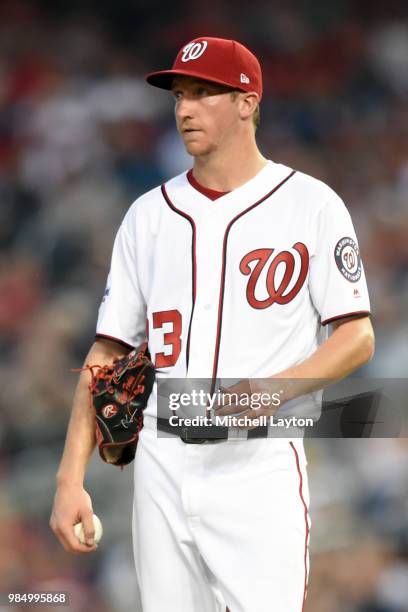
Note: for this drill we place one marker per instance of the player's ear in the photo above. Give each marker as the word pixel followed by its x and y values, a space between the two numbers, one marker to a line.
pixel 247 104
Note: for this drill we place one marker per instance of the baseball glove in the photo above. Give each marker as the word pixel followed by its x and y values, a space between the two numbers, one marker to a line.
pixel 119 394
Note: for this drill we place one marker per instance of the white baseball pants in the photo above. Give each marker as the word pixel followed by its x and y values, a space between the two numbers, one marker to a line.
pixel 222 524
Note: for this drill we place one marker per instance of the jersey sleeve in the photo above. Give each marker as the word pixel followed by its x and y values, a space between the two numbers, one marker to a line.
pixel 122 313
pixel 337 281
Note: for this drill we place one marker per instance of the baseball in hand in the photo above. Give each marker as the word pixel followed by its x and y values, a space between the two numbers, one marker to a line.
pixel 79 530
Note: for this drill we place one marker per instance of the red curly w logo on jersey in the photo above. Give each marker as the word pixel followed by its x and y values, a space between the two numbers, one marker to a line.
pixel 289 285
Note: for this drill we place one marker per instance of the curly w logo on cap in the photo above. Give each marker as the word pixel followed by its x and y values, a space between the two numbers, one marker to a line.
pixel 193 51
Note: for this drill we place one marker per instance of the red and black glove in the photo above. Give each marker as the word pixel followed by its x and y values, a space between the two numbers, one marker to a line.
pixel 120 392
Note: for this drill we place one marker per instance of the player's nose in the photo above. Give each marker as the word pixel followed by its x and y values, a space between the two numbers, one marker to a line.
pixel 184 108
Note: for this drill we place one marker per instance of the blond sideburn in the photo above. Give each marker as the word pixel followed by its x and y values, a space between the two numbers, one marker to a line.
pixel 256 116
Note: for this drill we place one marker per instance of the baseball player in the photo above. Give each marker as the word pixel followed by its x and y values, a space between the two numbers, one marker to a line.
pixel 232 269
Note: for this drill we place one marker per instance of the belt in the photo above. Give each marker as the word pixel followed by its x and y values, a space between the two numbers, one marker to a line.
pixel 208 434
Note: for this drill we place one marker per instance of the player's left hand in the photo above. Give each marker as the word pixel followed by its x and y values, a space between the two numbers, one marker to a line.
pixel 251 399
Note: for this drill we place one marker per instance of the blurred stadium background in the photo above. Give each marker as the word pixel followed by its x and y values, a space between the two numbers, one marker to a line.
pixel 81 136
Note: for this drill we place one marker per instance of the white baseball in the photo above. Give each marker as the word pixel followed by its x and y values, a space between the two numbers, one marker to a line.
pixel 79 530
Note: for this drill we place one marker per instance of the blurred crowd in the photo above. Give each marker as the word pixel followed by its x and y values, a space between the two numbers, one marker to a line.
pixel 81 136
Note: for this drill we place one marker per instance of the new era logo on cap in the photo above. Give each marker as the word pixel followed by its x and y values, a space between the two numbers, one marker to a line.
pixel 218 60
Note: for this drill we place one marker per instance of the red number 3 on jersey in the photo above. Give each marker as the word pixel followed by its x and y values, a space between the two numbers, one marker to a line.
pixel 171 338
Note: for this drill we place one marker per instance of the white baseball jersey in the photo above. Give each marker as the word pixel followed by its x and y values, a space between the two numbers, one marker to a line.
pixel 236 287
pixel 233 288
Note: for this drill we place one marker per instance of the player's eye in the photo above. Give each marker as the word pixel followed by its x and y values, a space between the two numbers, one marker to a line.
pixel 177 94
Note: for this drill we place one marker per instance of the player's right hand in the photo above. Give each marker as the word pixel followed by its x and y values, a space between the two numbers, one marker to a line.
pixel 72 504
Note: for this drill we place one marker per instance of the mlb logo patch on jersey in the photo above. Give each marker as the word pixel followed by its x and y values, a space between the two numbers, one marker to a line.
pixel 106 293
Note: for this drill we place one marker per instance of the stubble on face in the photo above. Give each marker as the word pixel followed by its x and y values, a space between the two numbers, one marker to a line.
pixel 204 113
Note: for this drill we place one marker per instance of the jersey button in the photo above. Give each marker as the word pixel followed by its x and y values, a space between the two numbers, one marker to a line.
pixel 207 307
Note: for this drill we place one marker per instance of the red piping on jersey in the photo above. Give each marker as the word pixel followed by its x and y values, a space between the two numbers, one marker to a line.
pixel 117 340
pixel 348 314
pixel 193 260
pixel 222 285
pixel 306 520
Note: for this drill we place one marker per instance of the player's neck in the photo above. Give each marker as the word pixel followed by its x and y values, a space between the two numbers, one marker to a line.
pixel 227 170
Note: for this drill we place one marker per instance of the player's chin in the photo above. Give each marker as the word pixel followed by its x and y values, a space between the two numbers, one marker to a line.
pixel 196 148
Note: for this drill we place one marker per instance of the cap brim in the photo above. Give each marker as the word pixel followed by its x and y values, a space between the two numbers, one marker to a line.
pixel 164 78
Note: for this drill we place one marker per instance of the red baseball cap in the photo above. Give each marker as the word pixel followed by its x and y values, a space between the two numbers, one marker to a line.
pixel 214 59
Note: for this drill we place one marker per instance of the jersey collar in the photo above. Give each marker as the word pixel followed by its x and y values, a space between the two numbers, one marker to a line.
pixel 212 194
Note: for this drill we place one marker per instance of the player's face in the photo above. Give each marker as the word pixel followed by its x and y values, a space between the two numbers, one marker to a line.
pixel 206 114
